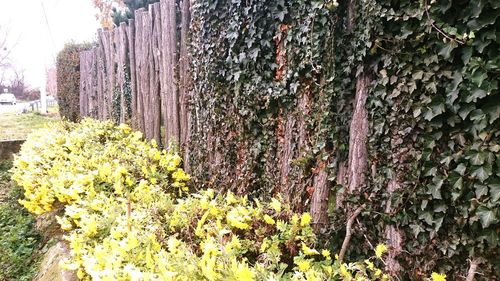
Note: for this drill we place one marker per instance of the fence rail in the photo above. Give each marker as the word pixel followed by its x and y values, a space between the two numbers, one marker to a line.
pixel 36 105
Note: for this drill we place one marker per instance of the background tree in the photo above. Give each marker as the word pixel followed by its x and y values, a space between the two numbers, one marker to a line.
pixel 106 8
pixel 113 12
pixel 123 15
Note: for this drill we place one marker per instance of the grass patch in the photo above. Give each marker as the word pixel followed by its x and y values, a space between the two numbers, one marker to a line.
pixel 17 126
pixel 19 241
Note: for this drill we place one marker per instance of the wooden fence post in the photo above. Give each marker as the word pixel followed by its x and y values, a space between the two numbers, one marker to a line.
pixel 184 84
pixel 169 93
pixel 139 62
pixel 154 71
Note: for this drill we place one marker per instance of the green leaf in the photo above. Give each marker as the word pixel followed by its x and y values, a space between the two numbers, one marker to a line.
pixel 458 183
pixel 427 217
pixel 476 158
pixel 477 114
pixel 435 189
pixel 481 173
pixel 494 186
pixel 416 229
pixel 493 110
pixel 478 77
pixel 457 79
pixel 486 216
pixel 475 95
pixel 465 110
pixel 460 169
pixel 445 52
pixel 417 75
pixel 480 190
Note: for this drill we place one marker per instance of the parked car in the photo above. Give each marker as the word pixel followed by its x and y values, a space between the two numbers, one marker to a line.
pixel 7 98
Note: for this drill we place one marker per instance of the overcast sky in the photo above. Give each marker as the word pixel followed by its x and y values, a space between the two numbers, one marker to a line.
pixel 36 49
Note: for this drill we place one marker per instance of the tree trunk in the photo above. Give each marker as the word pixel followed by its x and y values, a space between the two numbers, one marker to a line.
pixel 358 134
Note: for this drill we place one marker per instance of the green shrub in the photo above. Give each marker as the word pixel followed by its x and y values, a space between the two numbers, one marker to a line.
pixel 68 80
pixel 18 238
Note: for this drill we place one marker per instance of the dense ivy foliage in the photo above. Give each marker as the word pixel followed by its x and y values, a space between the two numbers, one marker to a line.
pixel 68 80
pixel 433 112
pixel 435 116
pixel 128 215
pixel 244 94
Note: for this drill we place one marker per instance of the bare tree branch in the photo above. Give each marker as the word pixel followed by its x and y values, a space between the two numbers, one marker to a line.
pixel 348 231
pixel 472 270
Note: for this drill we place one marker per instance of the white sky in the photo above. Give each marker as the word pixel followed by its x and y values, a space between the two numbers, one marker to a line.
pixel 68 20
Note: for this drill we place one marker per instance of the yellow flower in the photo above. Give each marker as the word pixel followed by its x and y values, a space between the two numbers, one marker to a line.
pixel 276 205
pixel 305 219
pixel 326 254
pixel 308 251
pixel 241 271
pixel 370 264
pixel 268 219
pixel 438 277
pixel 344 272
pixel 380 250
pixel 304 265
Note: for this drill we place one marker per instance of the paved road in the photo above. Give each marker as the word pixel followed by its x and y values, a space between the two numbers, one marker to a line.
pixel 6 108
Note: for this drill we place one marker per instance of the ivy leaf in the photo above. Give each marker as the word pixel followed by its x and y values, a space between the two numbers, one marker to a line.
pixel 457 79
pixel 458 183
pixel 493 110
pixel 476 158
pixel 437 223
pixel 460 169
pixel 475 95
pixel 281 15
pixel 492 238
pixel 451 97
pixel 416 229
pixel 435 189
pixel 466 54
pixel 477 114
pixel 465 110
pixel 417 75
pixel 494 186
pixel 481 173
pixel 480 190
pixel 478 77
pixel 486 216
pixel 427 217
pixel 445 52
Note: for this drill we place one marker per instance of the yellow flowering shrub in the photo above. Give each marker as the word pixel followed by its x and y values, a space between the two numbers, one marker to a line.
pixel 67 162
pixel 128 215
pixel 202 236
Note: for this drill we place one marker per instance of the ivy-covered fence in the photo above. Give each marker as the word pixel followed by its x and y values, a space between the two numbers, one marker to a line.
pixel 380 117
pixel 386 109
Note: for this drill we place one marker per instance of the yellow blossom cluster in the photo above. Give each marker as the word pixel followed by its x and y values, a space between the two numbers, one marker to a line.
pixel 67 162
pixel 202 236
